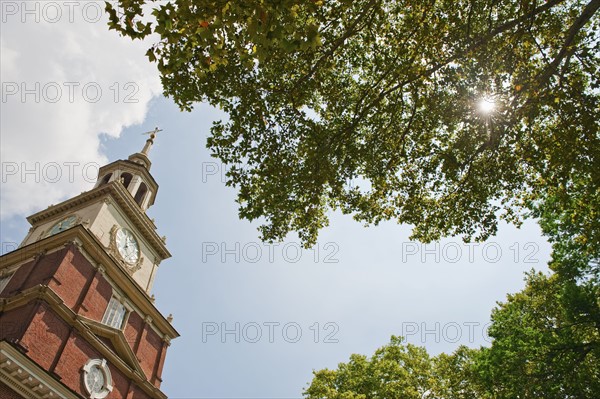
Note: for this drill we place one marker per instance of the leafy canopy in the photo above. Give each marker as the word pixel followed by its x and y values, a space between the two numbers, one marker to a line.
pixel 396 370
pixel 546 342
pixel 371 106
pixel 544 345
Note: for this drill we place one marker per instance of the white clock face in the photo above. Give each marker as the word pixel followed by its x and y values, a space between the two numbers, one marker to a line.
pixel 127 246
pixel 95 379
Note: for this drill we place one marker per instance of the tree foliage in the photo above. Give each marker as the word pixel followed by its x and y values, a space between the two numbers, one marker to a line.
pixel 397 370
pixel 569 216
pixel 384 93
pixel 545 338
pixel 371 107
pixel 544 345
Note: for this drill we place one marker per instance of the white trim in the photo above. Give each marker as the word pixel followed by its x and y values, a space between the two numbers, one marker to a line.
pixel 14 266
pixel 106 386
pixel 32 381
pixel 122 297
pixel 115 307
pixel 5 279
pixel 108 267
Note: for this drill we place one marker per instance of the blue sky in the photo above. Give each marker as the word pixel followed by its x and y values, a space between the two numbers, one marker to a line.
pixel 255 319
pixel 368 283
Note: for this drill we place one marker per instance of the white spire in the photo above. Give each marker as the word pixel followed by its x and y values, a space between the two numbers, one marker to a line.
pixel 150 140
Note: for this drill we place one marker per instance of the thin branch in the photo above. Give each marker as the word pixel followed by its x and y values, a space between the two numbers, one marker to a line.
pixel 484 40
pixel 539 47
pixel 478 43
pixel 336 44
pixel 566 49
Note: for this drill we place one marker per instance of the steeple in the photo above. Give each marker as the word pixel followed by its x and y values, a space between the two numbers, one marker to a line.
pixel 134 174
pixel 142 156
pixel 77 294
pixel 115 212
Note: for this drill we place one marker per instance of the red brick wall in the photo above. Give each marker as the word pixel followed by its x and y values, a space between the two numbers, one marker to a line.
pixel 97 298
pixel 147 346
pixel 120 384
pixel 7 393
pixel 133 329
pixel 148 353
pixel 136 393
pixel 35 272
pixel 52 343
pixel 69 367
pixel 13 323
pixel 17 279
pixel 44 339
pixel 73 274
pixel 44 336
pixel 71 277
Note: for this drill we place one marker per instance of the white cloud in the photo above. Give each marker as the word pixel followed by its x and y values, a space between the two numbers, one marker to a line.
pixel 66 79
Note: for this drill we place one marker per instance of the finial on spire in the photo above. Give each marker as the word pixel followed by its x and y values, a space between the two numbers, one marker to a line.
pixel 150 140
pixel 142 156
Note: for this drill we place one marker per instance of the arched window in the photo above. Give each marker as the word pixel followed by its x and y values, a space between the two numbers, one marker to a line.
pixel 126 179
pixel 141 193
pixel 105 179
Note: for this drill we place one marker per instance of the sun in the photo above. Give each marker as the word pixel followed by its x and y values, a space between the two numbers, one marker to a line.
pixel 487 105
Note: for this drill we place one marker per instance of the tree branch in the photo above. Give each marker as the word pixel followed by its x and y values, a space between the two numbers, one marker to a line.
pixel 336 44
pixel 566 49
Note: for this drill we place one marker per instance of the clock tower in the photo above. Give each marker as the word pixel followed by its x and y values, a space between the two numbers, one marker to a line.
pixel 76 316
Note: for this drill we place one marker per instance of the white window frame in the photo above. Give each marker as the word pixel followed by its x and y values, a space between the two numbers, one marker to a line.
pixel 116 314
pixel 107 388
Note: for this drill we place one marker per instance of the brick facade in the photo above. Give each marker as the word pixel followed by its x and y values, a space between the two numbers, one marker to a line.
pixel 61 282
pixel 54 344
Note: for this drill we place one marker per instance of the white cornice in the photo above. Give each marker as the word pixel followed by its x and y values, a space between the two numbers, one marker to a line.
pixel 117 339
pixel 122 198
pixel 27 378
pixel 56 303
pixel 94 249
